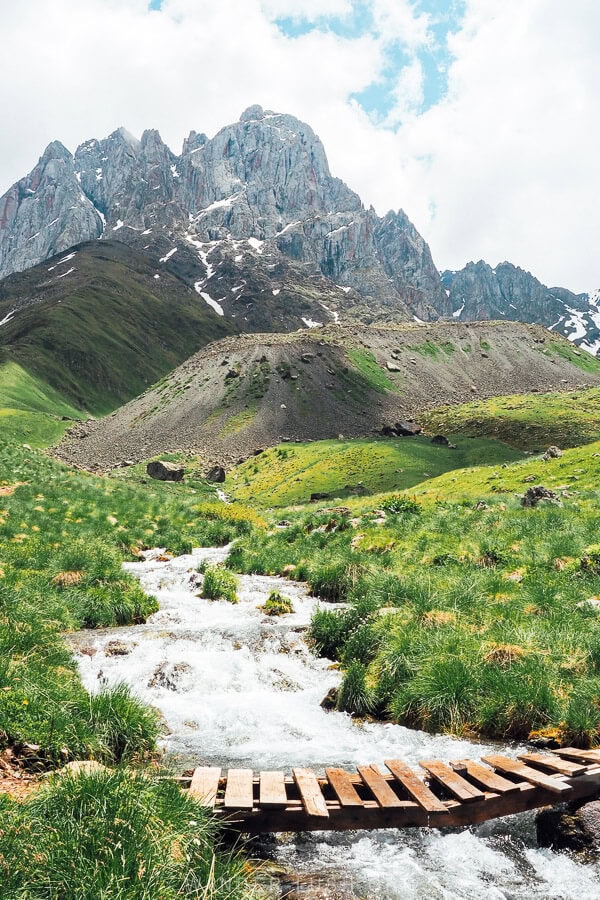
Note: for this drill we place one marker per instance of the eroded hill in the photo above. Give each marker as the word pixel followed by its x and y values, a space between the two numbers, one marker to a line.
pixel 253 391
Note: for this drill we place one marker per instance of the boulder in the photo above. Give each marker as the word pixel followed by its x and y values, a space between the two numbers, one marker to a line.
pixel 165 471
pixel 552 453
pixel 570 829
pixel 319 495
pixel 440 440
pixel 407 429
pixel 536 494
pixel 216 475
pixel 393 367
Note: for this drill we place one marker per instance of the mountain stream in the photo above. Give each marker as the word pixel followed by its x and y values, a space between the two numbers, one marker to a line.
pixel 238 688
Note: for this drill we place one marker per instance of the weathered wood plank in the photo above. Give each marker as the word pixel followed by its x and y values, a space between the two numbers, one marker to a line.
pixel 553 763
pixel 272 790
pixel 589 756
pixel 452 781
pixel 484 776
pixel 379 787
pixel 533 776
pixel 205 784
pixel 239 789
pixel 415 787
pixel 343 787
pixel 313 800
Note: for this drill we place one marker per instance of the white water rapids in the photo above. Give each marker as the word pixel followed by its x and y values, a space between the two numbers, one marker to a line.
pixel 239 688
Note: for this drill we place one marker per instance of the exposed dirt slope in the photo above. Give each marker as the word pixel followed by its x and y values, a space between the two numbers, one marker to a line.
pixel 253 391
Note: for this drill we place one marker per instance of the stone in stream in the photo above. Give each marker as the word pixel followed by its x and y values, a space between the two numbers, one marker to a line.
pixel 570 829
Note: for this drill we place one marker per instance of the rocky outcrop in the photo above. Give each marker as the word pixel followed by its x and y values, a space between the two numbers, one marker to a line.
pixel 508 292
pixel 45 213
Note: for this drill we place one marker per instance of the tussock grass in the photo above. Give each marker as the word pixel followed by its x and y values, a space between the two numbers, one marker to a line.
pixel 219 584
pixel 115 835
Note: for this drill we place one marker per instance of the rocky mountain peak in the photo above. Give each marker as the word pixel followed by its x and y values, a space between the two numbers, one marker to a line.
pixel 259 193
pixel 55 151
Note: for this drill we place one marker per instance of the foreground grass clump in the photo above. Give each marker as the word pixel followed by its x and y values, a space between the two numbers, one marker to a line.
pixel 113 834
pixel 219 584
pixel 468 617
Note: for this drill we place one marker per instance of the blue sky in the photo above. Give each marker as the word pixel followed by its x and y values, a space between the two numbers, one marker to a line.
pixel 379 98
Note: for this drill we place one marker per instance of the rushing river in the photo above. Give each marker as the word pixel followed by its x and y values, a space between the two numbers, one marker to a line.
pixel 238 688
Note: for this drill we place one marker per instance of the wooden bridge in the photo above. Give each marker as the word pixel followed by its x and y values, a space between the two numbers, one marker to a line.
pixel 453 794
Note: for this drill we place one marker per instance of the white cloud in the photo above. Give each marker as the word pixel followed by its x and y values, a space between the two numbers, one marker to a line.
pixel 504 167
pixel 310 10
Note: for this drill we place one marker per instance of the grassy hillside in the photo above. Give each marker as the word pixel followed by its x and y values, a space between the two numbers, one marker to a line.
pixel 30 410
pixel 103 332
pixel 290 473
pixel 526 421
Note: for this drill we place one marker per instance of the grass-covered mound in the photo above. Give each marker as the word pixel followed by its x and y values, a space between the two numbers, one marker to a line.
pixel 290 473
pixel 575 471
pixel 526 421
pixel 463 617
pixel 115 835
pixel 63 538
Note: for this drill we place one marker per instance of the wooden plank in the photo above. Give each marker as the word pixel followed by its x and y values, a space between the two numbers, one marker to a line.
pixel 379 787
pixel 415 787
pixel 585 756
pixel 408 813
pixel 553 763
pixel 205 784
pixel 458 787
pixel 343 787
pixel 313 800
pixel 238 792
pixel 272 789
pixel 514 767
pixel 484 777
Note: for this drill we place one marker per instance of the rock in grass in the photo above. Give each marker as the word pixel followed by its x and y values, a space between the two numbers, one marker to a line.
pixel 536 494
pixel 552 453
pixel 440 440
pixel 567 829
pixel 165 471
pixel 216 475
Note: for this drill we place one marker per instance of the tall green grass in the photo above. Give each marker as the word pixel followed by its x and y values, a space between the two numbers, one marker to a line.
pixel 114 835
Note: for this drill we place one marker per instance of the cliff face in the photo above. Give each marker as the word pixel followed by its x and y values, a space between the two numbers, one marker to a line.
pixel 263 181
pixel 479 292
